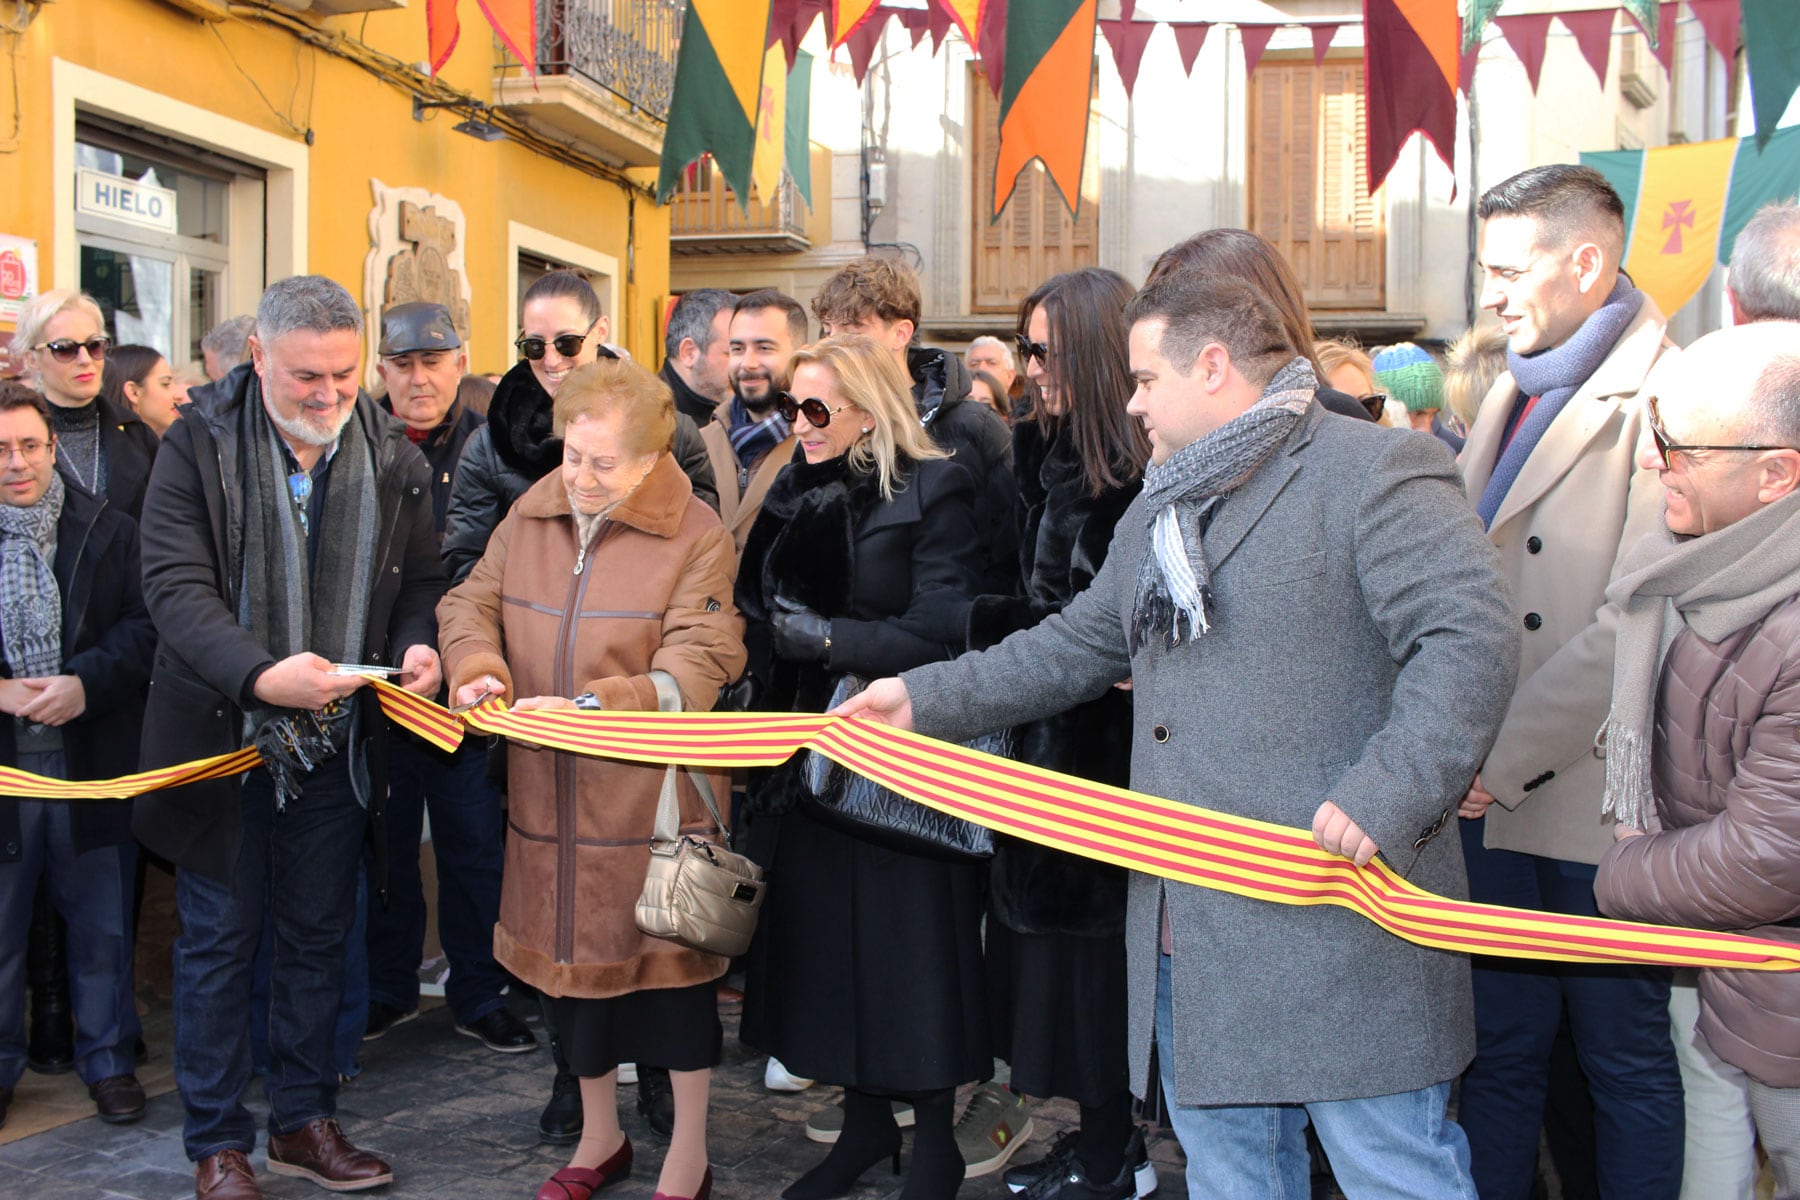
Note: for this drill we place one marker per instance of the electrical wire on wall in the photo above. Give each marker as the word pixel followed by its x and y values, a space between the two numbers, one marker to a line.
pixel 400 75
pixel 874 160
pixel 13 27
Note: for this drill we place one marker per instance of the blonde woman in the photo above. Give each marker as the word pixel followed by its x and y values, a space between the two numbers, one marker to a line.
pixel 866 970
pixel 1346 368
pixel 61 338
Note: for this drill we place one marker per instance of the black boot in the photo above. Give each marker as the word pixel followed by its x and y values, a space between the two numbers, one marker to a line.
pixel 50 1044
pixel 656 1099
pixel 560 1123
pixel 870 1135
pixel 936 1170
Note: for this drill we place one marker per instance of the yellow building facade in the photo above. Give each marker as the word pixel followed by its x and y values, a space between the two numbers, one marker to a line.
pixel 173 157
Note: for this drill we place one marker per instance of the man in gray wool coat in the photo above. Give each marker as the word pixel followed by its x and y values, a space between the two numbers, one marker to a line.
pixel 1318 634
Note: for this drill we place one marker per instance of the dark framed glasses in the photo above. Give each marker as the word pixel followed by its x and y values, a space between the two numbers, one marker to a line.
pixel 1665 447
pixel 1375 403
pixel 818 413
pixel 567 344
pixel 1029 350
pixel 66 350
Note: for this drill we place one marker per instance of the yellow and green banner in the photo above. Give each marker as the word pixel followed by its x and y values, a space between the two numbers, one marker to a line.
pixel 718 90
pixel 1684 205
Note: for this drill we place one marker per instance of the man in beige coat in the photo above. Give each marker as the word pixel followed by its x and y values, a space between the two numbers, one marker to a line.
pixel 1550 466
pixel 747 440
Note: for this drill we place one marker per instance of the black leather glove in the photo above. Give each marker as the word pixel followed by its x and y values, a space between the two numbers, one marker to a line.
pixel 799 634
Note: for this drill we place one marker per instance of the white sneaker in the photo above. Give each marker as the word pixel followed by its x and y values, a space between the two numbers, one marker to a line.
pixel 627 1072
pixel 777 1079
pixel 433 974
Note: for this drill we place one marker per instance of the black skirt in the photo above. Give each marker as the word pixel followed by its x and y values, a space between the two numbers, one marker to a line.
pixel 676 1028
pixel 866 968
pixel 1057 1007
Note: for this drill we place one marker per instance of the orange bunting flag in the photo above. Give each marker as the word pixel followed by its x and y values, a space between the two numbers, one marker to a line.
pixel 847 16
pixel 514 21
pixel 967 14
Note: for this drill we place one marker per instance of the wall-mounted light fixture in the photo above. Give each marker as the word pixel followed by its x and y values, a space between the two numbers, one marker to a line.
pixel 476 124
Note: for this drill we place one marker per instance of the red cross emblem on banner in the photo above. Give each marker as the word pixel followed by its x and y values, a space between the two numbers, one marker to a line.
pixel 1681 212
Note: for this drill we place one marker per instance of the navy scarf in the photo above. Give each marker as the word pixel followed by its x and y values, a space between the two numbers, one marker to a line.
pixel 1554 376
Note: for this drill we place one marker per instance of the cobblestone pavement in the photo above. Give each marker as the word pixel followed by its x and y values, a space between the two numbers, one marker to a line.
pixel 457 1120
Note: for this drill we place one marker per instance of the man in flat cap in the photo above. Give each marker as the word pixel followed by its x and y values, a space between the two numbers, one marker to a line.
pixel 422 363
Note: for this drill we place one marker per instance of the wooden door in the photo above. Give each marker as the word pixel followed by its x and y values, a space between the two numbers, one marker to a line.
pixel 1035 237
pixel 1309 180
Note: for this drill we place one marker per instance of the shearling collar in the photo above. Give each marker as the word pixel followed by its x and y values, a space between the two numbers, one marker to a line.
pixel 655 506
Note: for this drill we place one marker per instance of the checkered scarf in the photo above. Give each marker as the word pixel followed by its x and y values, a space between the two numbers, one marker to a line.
pixel 1174 582
pixel 30 601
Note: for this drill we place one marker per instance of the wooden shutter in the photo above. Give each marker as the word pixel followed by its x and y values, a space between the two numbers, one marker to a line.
pixel 1035 237
pixel 1308 180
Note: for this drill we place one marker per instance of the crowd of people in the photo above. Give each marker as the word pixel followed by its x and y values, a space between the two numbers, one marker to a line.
pixel 1521 617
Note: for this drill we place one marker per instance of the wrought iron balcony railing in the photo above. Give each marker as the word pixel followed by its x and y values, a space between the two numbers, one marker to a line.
pixel 626 47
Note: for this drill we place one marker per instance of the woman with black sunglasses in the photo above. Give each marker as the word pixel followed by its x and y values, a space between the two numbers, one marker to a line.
pixel 561 327
pixel 1056 923
pixel 866 969
pixel 61 338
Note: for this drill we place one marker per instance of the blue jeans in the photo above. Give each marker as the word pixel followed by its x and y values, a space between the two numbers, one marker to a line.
pixel 303 864
pixel 93 893
pixel 353 1009
pixel 466 832
pixel 1618 1018
pixel 1399 1146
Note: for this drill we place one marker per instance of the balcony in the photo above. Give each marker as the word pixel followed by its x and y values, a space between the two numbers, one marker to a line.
pixel 705 218
pixel 606 71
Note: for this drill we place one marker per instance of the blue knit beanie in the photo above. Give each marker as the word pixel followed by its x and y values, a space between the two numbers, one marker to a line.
pixel 1411 376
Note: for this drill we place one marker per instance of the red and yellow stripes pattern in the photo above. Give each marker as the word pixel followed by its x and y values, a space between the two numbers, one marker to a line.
pixel 1143 833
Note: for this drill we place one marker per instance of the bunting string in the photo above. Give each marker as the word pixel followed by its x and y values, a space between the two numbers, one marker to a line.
pixel 1144 833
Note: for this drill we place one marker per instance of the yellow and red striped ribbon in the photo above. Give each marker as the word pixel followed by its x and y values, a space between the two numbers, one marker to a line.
pixel 1143 833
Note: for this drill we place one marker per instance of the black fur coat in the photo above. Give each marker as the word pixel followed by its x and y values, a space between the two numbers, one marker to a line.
pixel 826 540
pixel 1065 530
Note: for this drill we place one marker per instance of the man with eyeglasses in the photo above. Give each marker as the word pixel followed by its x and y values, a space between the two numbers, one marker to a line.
pixel 1550 466
pixel 748 439
pixel 289 555
pixel 1700 736
pixel 77 644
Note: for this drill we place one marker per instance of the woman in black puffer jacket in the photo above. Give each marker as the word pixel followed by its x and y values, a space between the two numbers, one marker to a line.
pixel 516 448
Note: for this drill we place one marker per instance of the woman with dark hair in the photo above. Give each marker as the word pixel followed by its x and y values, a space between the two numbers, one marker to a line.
pixel 866 968
pixel 561 327
pixel 1056 922
pixel 1246 256
pixel 139 379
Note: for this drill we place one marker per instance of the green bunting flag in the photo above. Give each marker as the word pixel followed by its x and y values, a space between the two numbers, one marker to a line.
pixel 718 86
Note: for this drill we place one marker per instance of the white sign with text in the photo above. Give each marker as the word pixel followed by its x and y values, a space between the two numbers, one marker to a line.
pixel 98 194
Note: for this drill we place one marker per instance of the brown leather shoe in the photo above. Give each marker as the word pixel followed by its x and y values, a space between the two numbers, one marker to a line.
pixel 119 1099
pixel 225 1176
pixel 319 1151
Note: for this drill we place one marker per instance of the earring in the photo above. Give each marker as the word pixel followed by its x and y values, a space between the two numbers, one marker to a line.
pixel 868 429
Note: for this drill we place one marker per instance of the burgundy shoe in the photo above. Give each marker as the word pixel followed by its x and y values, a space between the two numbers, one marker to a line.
pixel 225 1176
pixel 705 1189
pixel 578 1183
pixel 319 1151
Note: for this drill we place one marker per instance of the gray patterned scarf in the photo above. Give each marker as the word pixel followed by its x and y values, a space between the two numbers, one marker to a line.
pixel 1715 585
pixel 30 601
pixel 1174 582
pixel 279 602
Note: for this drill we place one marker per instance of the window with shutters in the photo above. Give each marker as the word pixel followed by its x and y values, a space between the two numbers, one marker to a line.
pixel 1035 237
pixel 1309 191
